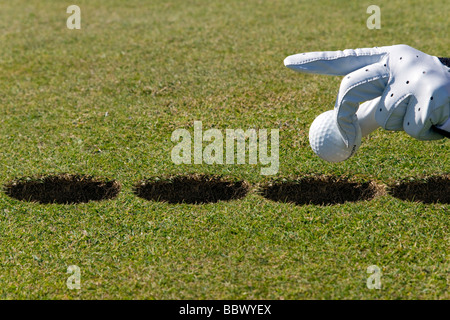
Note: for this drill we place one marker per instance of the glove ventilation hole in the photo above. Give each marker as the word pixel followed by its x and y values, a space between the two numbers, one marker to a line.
pixel 407 82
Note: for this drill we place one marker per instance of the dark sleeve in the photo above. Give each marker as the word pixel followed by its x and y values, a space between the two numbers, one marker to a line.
pixel 440 131
pixel 445 61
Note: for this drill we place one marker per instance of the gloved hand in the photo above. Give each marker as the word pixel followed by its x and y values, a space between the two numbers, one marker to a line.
pixel 413 88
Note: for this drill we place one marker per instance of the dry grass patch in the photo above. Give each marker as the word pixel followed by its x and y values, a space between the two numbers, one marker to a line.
pixel 194 189
pixel 320 190
pixel 433 189
pixel 62 188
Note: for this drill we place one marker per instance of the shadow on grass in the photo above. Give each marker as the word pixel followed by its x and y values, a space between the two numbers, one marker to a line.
pixel 62 188
pixel 433 189
pixel 192 189
pixel 320 190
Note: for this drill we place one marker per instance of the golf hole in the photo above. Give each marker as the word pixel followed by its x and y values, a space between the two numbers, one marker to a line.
pixel 433 189
pixel 62 188
pixel 192 189
pixel 320 190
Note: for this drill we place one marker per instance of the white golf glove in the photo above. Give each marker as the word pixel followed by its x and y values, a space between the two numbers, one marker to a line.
pixel 409 90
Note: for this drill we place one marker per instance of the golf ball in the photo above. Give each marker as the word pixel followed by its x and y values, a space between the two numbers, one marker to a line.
pixel 326 141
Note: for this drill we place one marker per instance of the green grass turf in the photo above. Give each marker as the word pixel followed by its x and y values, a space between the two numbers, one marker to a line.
pixel 104 101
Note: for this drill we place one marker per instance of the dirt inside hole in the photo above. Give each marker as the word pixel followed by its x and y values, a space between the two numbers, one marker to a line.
pixel 433 189
pixel 192 189
pixel 320 190
pixel 62 188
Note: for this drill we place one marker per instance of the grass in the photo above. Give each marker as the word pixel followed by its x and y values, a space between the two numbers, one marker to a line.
pixel 103 101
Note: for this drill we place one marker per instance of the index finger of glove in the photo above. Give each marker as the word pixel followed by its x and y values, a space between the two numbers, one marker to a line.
pixel 337 63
